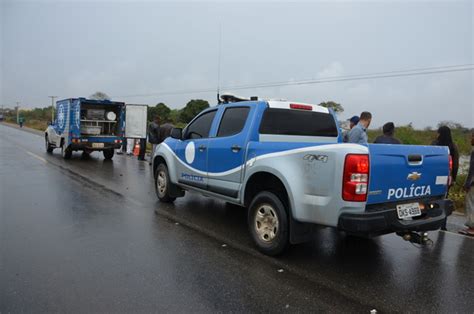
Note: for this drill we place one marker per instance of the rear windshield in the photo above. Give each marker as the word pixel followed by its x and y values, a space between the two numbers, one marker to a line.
pixel 297 122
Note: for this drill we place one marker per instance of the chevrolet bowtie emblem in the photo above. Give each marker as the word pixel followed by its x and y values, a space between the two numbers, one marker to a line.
pixel 414 176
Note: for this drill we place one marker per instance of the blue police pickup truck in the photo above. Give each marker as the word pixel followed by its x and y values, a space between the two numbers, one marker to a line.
pixel 287 164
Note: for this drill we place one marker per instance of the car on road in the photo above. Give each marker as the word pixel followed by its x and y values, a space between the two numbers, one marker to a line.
pixel 286 163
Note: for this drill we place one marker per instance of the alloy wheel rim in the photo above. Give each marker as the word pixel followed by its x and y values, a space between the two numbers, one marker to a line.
pixel 266 223
pixel 161 181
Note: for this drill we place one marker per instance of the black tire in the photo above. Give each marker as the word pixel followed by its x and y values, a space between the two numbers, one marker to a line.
pixel 108 154
pixel 162 184
pixel 48 146
pixel 270 236
pixel 66 152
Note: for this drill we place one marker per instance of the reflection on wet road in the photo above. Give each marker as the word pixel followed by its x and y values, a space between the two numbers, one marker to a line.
pixel 82 235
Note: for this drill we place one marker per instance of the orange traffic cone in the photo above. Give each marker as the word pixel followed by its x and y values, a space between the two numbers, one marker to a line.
pixel 136 149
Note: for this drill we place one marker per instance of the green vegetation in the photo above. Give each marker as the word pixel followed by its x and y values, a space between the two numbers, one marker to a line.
pixel 457 193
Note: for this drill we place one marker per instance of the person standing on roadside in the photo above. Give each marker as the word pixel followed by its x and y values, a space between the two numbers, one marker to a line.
pixel 445 139
pixel 165 131
pixel 130 146
pixel 358 134
pixel 352 123
pixel 469 188
pixel 154 135
pixel 388 130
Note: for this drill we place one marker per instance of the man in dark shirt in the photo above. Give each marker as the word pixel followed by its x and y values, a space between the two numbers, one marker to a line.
pixel 387 137
pixel 165 131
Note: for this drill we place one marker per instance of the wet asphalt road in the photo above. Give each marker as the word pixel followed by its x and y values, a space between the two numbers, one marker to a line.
pixel 89 235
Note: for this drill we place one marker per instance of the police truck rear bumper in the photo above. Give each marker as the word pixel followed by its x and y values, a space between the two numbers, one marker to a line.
pixel 386 221
pixel 90 146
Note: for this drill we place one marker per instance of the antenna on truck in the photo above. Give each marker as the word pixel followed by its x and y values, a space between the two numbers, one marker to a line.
pixel 219 65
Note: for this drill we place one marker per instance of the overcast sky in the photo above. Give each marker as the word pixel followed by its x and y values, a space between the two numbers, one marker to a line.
pixel 74 48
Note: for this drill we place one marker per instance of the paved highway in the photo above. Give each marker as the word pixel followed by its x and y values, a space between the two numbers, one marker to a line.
pixel 89 235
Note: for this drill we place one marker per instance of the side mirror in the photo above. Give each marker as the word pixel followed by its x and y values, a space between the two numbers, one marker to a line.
pixel 177 133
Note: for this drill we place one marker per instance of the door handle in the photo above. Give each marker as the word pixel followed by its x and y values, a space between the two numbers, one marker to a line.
pixel 236 148
pixel 202 148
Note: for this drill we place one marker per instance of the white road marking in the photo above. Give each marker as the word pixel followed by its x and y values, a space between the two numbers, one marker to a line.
pixel 37 157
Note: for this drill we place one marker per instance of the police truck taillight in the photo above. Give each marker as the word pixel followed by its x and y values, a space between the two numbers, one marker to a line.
pixel 355 178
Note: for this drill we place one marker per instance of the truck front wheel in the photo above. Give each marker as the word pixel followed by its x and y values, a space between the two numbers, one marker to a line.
pixel 163 184
pixel 268 223
pixel 108 154
pixel 49 147
pixel 66 152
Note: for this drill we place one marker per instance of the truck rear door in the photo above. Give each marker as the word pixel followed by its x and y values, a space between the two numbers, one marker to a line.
pixel 403 172
pixel 135 121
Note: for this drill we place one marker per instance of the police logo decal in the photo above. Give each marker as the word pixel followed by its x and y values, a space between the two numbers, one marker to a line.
pixel 190 152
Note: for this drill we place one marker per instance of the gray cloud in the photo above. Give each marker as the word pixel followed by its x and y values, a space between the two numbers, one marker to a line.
pixel 73 48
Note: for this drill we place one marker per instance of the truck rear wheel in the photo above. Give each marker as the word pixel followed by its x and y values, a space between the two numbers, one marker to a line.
pixel 66 152
pixel 108 154
pixel 163 184
pixel 268 223
pixel 48 146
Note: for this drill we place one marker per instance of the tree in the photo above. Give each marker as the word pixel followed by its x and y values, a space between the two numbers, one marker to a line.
pixel 161 110
pixel 99 96
pixel 333 105
pixel 452 125
pixel 192 108
pixel 174 116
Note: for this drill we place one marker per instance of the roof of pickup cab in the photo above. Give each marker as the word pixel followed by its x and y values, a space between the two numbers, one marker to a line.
pixel 282 104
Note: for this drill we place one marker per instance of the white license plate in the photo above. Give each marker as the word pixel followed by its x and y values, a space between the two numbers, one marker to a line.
pixel 408 210
pixel 97 145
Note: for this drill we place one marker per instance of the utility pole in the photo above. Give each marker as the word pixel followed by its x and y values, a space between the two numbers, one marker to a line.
pixel 52 107
pixel 17 112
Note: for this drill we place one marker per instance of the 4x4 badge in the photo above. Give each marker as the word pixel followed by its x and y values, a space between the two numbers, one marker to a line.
pixel 311 157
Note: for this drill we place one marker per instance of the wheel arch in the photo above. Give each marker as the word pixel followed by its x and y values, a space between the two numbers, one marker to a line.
pixel 266 181
pixel 161 157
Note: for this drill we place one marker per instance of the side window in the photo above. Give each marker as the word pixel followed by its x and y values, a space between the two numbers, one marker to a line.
pixel 233 121
pixel 201 126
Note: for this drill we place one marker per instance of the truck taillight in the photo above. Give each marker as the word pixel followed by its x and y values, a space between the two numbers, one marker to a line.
pixel 355 178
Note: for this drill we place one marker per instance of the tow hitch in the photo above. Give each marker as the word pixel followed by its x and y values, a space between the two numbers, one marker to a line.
pixel 416 237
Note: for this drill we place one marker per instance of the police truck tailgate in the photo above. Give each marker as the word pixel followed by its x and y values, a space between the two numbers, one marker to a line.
pixel 400 173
